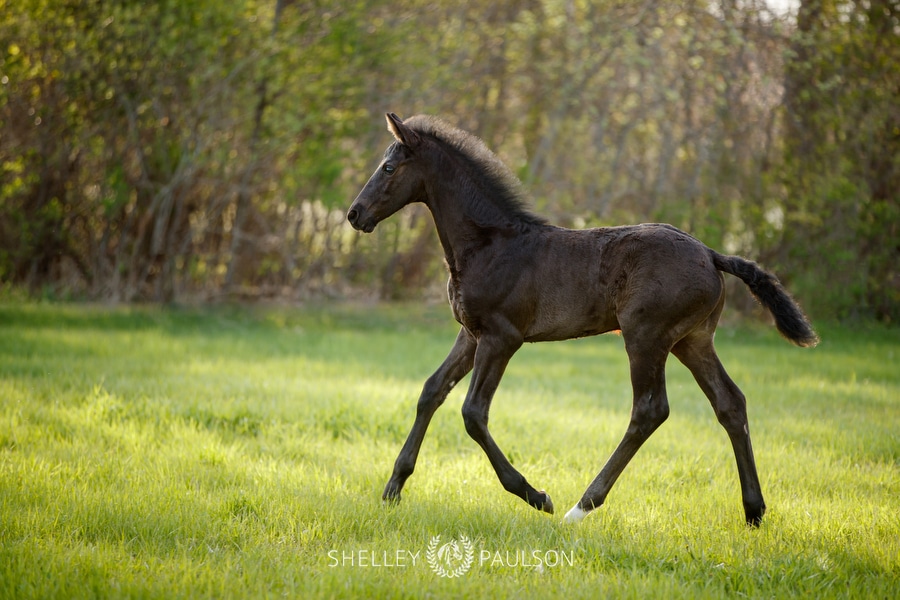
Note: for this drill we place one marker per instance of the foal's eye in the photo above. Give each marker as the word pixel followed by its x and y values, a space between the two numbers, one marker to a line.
pixel 388 168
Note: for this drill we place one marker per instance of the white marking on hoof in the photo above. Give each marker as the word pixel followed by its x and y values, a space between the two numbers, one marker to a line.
pixel 575 515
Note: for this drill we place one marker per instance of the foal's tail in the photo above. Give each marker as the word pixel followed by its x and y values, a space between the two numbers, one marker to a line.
pixel 765 287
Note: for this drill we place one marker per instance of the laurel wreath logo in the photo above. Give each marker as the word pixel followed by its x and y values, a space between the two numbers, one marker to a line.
pixel 449 560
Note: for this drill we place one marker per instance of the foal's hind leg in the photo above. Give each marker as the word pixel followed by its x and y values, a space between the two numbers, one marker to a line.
pixel 456 366
pixel 698 354
pixel 650 409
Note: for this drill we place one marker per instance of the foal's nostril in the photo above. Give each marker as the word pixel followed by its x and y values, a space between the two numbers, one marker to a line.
pixel 352 215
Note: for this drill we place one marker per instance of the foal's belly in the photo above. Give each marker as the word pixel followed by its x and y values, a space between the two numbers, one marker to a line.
pixel 574 302
pixel 562 328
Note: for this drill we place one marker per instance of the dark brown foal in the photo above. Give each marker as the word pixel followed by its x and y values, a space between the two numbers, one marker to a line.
pixel 514 278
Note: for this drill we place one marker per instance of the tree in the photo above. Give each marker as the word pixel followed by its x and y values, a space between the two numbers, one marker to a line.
pixel 842 154
pixel 172 150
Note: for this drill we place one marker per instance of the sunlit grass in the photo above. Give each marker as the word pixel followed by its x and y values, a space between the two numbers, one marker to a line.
pixel 167 453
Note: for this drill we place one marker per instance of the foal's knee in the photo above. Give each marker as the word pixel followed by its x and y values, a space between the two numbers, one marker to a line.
pixel 474 420
pixel 650 412
pixel 434 392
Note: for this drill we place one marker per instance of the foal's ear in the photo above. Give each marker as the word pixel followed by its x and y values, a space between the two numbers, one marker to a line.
pixel 404 134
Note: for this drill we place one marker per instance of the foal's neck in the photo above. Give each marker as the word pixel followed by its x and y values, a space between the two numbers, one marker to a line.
pixel 465 217
pixel 461 222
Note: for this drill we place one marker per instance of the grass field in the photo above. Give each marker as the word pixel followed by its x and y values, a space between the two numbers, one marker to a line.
pixel 241 454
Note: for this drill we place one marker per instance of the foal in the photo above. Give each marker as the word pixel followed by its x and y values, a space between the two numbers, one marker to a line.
pixel 514 278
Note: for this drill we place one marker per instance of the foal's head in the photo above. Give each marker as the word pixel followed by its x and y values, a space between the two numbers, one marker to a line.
pixel 395 183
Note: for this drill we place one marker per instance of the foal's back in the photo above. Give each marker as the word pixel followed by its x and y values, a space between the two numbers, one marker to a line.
pixel 596 280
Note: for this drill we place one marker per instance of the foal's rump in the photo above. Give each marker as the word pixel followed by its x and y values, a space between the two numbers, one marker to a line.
pixel 682 265
pixel 667 281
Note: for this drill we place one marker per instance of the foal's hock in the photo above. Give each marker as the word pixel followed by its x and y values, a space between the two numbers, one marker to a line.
pixel 515 278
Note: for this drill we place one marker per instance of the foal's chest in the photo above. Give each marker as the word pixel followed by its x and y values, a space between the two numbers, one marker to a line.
pixel 467 306
pixel 457 304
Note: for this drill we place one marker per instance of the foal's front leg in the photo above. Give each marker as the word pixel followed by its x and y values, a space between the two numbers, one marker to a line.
pixel 456 366
pixel 491 359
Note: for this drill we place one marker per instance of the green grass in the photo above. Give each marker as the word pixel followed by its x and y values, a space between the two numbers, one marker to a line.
pixel 235 453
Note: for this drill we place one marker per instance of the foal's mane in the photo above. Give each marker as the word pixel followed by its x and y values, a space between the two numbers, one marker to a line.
pixel 498 182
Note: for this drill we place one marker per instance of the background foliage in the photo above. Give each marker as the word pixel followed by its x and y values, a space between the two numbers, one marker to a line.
pixel 169 151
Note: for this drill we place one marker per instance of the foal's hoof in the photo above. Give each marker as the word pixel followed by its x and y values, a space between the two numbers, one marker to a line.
pixel 547 506
pixel 754 514
pixel 391 496
pixel 754 520
pixel 576 515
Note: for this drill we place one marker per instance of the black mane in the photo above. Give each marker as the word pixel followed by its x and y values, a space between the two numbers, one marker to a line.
pixel 499 183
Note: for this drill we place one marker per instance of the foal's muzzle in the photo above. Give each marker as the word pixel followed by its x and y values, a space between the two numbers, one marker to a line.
pixel 359 220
